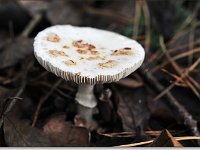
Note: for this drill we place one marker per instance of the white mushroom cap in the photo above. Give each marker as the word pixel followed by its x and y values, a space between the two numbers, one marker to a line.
pixel 87 55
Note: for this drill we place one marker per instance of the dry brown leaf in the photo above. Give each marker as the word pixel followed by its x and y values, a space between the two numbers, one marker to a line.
pixel 165 139
pixel 16 52
pixel 62 133
pixel 20 133
pixel 132 83
pixel 132 108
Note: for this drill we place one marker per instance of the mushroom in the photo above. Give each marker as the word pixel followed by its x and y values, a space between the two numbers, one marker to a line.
pixel 87 56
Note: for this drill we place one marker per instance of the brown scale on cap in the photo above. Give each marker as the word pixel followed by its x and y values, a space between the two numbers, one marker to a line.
pixel 94 58
pixel 124 51
pixel 69 63
pixel 81 51
pixel 94 52
pixel 81 44
pixel 84 48
pixel 52 37
pixel 65 46
pixel 57 53
pixel 90 47
pixel 108 64
pixel 81 58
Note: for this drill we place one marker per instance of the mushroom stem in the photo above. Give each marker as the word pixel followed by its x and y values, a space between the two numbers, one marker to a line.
pixel 85 113
pixel 87 100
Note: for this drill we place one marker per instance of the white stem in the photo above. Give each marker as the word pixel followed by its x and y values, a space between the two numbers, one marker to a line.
pixel 85 113
pixel 85 96
pixel 87 101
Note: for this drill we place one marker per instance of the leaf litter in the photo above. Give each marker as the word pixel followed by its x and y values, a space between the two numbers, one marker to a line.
pixel 127 111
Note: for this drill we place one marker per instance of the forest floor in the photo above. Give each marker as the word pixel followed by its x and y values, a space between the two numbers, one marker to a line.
pixel 157 105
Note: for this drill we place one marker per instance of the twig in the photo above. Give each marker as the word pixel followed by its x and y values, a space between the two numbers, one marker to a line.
pixel 179 56
pixel 173 75
pixel 171 100
pixel 179 47
pixel 191 44
pixel 188 20
pixel 195 83
pixel 137 16
pixel 181 34
pixel 132 134
pixel 108 13
pixel 178 69
pixel 147 26
pixel 10 80
pixel 156 56
pixel 42 100
pixel 150 141
pixel 182 76
pixel 31 25
pixel 40 76
pixel 10 102
pixel 60 92
pixel 136 144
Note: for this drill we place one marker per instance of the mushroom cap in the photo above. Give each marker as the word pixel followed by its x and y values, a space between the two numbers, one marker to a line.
pixel 87 55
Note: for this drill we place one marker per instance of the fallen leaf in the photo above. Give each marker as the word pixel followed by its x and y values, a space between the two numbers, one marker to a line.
pixel 165 139
pixel 62 133
pixel 4 93
pixel 132 108
pixel 18 132
pixel 132 83
pixel 16 52
pixel 126 116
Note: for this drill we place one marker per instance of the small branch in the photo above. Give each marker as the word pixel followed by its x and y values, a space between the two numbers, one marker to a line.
pixel 10 102
pixel 150 141
pixel 42 100
pixel 179 56
pixel 108 13
pixel 191 44
pixel 31 25
pixel 182 76
pixel 132 134
pixel 137 16
pixel 157 55
pixel 147 26
pixel 178 69
pixel 181 34
pixel 178 109
pixel 188 20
